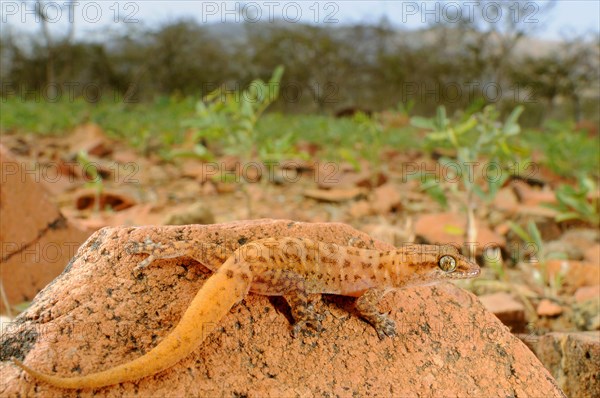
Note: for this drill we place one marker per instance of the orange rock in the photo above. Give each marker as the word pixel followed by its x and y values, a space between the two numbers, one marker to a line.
pixel 548 308
pixel 198 170
pixel 506 200
pixel 449 228
pixel 574 359
pixel 360 209
pixel 530 196
pixel 574 274
pixel 300 165
pixel 36 240
pixel 536 211
pixel 386 198
pixel 587 293
pixel 592 254
pixel 507 309
pixel 116 201
pixel 334 195
pixel 391 234
pixel 502 229
pixel 329 175
pixel 98 314
pixel 91 139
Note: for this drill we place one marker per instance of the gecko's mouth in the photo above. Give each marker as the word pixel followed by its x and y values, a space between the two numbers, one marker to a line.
pixel 472 273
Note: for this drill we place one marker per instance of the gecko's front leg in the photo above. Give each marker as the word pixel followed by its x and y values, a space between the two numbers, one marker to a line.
pixel 366 305
pixel 208 254
pixel 155 251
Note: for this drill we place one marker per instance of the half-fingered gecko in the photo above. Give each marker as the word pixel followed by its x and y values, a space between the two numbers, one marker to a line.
pixel 294 268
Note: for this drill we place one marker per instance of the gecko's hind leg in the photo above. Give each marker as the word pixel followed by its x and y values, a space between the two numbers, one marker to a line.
pixel 366 305
pixel 303 312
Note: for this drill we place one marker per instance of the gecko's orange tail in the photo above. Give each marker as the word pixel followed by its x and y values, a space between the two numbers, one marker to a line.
pixel 218 294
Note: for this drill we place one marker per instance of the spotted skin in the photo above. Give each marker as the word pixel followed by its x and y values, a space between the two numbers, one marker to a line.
pixel 297 269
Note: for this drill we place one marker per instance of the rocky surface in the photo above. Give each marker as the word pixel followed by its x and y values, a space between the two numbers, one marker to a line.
pixel 99 313
pixel 36 241
pixel 574 360
pixel 508 310
pixel 449 227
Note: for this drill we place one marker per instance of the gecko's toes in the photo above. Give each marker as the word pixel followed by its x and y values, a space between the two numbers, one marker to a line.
pixel 133 248
pixel 141 266
pixel 144 263
pixel 385 328
pixel 313 322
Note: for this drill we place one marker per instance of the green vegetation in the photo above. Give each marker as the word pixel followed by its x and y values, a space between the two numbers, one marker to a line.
pixel 578 203
pixel 95 179
pixel 157 126
pixel 473 138
pixel 538 253
pixel 228 119
pixel 566 151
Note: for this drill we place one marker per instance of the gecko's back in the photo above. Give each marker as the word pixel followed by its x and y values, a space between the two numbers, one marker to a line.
pixel 279 265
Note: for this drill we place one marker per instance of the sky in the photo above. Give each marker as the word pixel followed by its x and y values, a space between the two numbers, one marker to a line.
pixel 567 17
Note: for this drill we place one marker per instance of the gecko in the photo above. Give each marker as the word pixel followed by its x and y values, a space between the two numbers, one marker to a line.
pixel 297 269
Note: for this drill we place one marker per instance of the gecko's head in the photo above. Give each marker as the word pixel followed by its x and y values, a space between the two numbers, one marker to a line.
pixel 433 263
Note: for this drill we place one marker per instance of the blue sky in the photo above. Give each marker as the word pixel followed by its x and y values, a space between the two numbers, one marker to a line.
pixel 568 17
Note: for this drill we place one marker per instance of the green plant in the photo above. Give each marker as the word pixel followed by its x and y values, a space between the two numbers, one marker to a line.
pixel 95 179
pixel 474 136
pixel 566 151
pixel 230 120
pixel 576 203
pixel 540 254
pixel 364 142
pixel 493 259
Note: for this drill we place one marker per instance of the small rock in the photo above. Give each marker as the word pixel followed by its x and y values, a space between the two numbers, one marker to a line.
pixel 196 169
pixel 502 228
pixel 574 360
pixel 391 234
pixel 300 165
pixel 536 211
pixel 586 241
pixel 328 175
pixel 506 200
pixel 587 293
pixel 371 179
pixel 386 198
pixel 548 308
pixel 448 228
pixel 125 156
pixel 581 235
pixel 225 187
pixel 91 139
pixel 592 254
pixel 530 196
pixel 574 274
pixel 198 213
pixel 586 315
pixel 334 195
pixel 507 309
pixel 229 163
pixel 560 247
pixel 360 209
pixel 86 199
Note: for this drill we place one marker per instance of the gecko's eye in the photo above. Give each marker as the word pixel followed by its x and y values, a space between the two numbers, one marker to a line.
pixel 447 263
